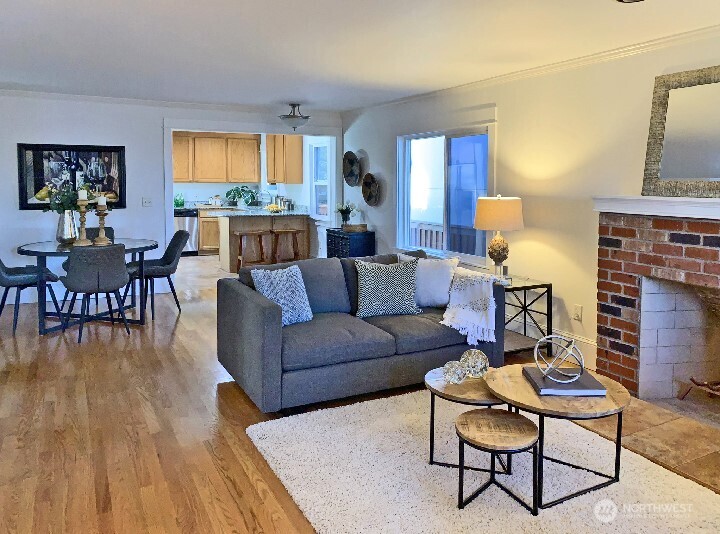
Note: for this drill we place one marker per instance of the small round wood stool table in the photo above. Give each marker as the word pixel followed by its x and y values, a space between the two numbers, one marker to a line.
pixel 471 391
pixel 509 384
pixel 496 432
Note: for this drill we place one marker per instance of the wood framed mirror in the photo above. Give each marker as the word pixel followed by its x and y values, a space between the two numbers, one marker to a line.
pixel 683 149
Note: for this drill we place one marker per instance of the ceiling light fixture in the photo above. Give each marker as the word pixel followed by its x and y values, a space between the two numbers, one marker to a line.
pixel 295 118
pixel 629 1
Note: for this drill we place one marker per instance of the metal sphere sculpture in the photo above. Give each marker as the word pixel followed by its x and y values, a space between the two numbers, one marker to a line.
pixel 563 349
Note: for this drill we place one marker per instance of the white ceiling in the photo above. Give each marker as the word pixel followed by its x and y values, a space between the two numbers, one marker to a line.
pixel 328 54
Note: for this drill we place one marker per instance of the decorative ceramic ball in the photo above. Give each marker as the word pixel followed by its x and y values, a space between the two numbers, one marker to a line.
pixel 476 362
pixel 454 372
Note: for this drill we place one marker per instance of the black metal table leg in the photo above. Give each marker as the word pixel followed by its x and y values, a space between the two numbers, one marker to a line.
pixel 432 427
pixel 141 278
pixel 41 287
pixel 535 480
pixel 618 446
pixel 133 294
pixel 540 460
pixel 461 473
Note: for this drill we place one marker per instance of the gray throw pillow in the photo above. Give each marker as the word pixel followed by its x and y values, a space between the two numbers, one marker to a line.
pixel 386 289
pixel 286 288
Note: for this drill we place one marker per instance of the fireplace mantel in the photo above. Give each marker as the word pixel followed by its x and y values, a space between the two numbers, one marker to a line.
pixel 690 208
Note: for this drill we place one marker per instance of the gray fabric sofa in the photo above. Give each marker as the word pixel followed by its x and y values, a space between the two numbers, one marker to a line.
pixel 336 354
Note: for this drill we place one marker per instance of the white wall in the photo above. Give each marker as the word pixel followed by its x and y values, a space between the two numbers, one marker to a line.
pixel 561 137
pixel 143 128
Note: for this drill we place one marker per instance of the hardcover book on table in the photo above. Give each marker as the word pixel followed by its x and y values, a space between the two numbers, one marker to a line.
pixel 585 386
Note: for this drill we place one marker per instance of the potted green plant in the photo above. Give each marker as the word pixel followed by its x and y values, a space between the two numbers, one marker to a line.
pixel 243 193
pixel 63 201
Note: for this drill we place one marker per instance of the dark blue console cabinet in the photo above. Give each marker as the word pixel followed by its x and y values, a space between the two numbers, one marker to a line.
pixel 349 244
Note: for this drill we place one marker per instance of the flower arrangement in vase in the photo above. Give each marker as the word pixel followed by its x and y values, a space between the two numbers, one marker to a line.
pixel 346 210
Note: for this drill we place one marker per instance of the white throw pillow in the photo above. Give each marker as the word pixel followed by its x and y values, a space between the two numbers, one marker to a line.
pixel 433 280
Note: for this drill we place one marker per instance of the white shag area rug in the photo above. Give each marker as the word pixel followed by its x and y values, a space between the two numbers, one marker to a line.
pixel 364 468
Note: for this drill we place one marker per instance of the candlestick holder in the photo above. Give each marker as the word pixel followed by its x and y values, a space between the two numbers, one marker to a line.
pixel 83 241
pixel 101 240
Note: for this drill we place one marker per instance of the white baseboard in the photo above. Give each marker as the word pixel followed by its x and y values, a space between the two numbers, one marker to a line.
pixel 587 346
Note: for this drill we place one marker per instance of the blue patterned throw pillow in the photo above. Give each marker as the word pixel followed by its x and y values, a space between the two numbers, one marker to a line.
pixel 386 289
pixel 286 288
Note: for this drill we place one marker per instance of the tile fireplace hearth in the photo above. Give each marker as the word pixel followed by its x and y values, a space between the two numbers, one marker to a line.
pixel 658 289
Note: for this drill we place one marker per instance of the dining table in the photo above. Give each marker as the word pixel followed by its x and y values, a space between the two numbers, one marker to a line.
pixel 43 250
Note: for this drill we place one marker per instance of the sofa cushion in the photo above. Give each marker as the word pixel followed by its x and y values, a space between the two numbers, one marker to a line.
pixel 332 338
pixel 285 287
pixel 433 280
pixel 324 282
pixel 386 289
pixel 350 271
pixel 414 333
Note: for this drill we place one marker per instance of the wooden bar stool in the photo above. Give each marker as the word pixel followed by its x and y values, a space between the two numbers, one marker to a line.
pixel 497 432
pixel 258 235
pixel 277 234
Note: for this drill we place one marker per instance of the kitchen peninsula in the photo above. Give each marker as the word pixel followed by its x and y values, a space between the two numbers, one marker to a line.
pixel 253 220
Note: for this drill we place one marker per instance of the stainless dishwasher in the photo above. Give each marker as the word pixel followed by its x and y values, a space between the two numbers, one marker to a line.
pixel 187 219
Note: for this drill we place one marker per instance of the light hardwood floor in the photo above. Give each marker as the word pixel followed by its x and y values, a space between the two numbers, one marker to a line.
pixel 146 433
pixel 139 433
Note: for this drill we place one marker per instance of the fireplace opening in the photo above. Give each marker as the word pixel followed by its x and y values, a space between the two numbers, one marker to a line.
pixel 679 338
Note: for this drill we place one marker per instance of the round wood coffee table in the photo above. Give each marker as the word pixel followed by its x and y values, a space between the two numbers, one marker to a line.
pixel 471 391
pixel 509 384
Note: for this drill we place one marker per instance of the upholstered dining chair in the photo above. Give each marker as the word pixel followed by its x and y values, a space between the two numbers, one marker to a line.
pixel 21 278
pixel 95 270
pixel 90 233
pixel 164 267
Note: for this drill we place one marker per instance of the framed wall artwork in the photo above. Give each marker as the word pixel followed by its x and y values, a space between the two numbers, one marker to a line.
pixel 102 167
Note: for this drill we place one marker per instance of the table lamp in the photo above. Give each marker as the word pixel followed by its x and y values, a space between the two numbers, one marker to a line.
pixel 498 214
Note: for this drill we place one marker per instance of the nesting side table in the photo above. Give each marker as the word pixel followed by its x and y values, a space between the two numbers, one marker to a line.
pixel 472 392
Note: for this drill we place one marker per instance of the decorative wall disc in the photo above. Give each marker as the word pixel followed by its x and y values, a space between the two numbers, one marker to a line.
pixel 371 190
pixel 351 169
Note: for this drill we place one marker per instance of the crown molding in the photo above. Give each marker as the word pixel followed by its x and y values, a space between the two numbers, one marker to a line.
pixel 575 63
pixel 70 97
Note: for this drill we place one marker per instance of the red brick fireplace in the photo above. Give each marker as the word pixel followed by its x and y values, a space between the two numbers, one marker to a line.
pixel 644 241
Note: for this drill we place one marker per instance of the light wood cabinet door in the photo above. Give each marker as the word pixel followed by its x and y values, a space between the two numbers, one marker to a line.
pixel 280 159
pixel 243 161
pixel 209 234
pixel 182 153
pixel 293 159
pixel 210 159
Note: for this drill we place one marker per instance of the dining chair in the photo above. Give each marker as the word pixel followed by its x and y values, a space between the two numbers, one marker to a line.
pixel 164 267
pixel 95 270
pixel 90 233
pixel 22 278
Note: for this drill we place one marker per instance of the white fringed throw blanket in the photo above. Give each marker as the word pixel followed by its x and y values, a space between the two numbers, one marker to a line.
pixel 471 310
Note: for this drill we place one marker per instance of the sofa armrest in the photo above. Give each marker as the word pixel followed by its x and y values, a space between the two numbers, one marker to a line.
pixel 497 358
pixel 249 341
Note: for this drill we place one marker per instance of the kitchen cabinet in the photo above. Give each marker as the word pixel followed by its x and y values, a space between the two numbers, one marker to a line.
pixel 285 159
pixel 182 148
pixel 208 234
pixel 210 159
pixel 216 157
pixel 243 164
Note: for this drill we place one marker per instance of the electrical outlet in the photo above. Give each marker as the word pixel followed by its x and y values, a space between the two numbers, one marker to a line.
pixel 577 313
pixel 147 202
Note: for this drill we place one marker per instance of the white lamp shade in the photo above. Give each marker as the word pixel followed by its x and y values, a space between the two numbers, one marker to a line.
pixel 499 213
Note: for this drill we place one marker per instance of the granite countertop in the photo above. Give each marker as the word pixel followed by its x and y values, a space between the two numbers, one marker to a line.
pixel 258 212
